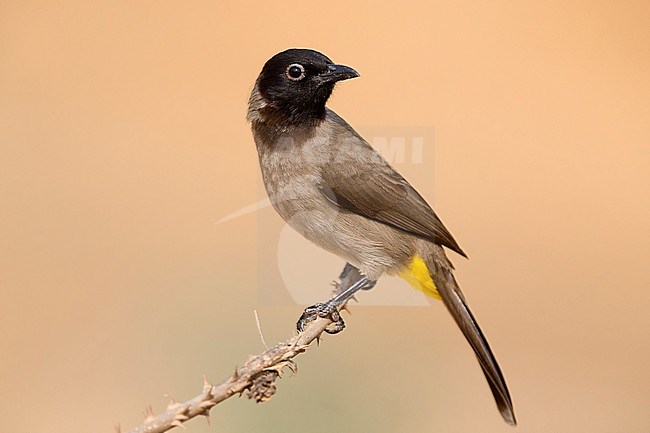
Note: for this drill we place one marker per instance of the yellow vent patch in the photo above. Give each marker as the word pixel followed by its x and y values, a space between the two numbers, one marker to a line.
pixel 417 275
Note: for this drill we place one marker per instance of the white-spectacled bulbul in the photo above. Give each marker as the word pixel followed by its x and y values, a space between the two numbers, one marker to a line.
pixel 332 187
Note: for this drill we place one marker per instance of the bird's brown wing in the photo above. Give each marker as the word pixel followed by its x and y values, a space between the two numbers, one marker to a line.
pixel 373 189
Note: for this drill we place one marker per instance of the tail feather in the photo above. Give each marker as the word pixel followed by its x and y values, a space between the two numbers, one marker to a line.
pixel 453 299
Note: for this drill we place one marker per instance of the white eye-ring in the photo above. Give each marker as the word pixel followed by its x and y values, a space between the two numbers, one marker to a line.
pixel 296 72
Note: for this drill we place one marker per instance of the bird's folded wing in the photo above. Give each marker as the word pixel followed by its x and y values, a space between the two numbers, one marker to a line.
pixel 375 190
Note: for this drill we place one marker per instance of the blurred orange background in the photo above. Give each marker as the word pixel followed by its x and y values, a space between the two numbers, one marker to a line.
pixel 123 141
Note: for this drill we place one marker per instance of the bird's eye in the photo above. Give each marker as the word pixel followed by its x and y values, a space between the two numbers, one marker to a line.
pixel 296 72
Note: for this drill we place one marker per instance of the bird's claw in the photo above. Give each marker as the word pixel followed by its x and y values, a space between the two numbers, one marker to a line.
pixel 327 310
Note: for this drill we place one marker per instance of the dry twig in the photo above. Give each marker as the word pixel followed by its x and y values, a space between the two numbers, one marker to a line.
pixel 257 375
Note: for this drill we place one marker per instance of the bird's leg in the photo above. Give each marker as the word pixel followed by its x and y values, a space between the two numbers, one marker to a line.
pixel 330 308
pixel 349 275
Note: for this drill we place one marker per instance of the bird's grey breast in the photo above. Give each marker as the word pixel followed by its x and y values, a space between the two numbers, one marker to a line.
pixel 295 165
pixel 292 163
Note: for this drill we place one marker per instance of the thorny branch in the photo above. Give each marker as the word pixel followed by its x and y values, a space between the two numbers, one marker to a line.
pixel 257 376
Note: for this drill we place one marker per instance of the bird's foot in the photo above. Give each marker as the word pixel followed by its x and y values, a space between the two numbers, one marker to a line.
pixel 327 310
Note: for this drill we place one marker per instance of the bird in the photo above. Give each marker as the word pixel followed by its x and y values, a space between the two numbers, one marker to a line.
pixel 336 190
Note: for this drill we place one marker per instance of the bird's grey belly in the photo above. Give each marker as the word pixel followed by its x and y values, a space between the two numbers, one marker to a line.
pixel 369 245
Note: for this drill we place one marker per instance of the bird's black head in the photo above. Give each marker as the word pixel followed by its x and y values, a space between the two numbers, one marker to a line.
pixel 294 86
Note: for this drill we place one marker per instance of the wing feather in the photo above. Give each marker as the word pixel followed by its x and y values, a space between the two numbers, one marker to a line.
pixel 372 188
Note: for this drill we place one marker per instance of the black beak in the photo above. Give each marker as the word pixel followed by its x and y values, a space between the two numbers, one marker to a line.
pixel 338 73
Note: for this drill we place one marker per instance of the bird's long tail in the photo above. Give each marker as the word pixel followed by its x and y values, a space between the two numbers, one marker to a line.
pixel 434 277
